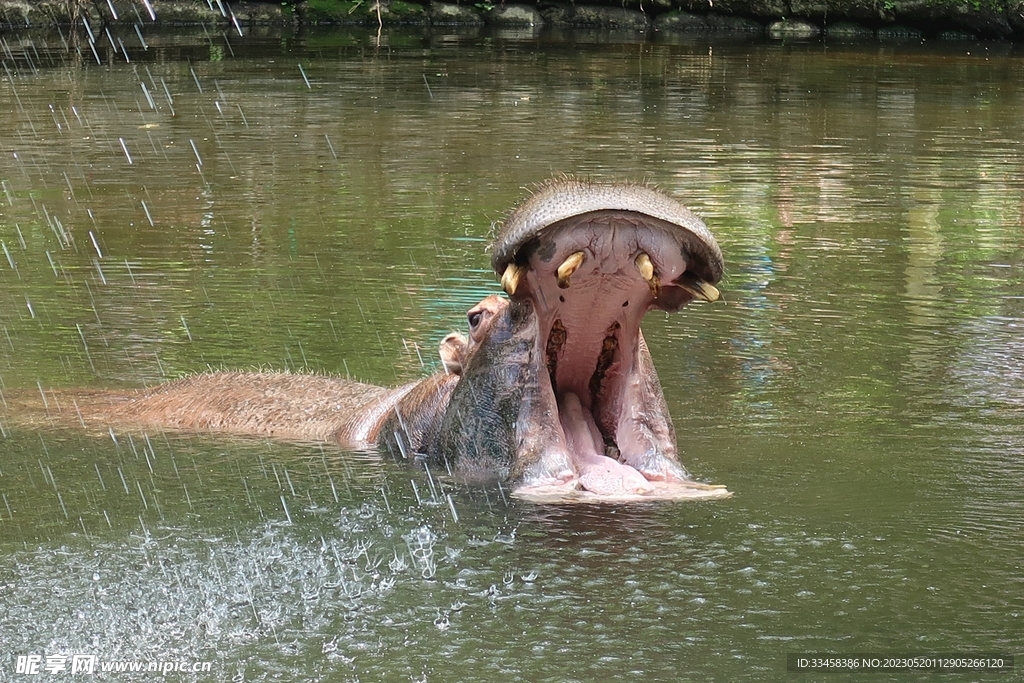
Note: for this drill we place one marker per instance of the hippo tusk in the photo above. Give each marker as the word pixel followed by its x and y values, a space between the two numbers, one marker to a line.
pixel 569 266
pixel 700 289
pixel 510 278
pixel 646 267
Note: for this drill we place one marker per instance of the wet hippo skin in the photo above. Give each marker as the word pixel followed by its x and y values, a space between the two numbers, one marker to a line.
pixel 553 390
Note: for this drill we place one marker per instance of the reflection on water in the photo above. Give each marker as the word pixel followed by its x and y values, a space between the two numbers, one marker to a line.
pixel 861 390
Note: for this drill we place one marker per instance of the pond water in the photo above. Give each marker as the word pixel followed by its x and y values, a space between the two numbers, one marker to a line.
pixel 324 202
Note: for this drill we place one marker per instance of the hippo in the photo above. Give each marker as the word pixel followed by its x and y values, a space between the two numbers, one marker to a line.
pixel 553 391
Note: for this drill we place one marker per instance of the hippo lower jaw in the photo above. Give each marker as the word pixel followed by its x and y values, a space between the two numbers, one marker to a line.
pixel 589 280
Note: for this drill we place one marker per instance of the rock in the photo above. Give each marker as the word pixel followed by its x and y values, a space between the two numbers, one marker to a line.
pixel 848 10
pixel 984 16
pixel 848 30
pixel 682 22
pixel 956 35
pixel 448 14
pixel 685 22
pixel 897 33
pixel 726 24
pixel 586 16
pixel 793 29
pixel 19 14
pixel 515 16
pixel 767 9
pixel 258 13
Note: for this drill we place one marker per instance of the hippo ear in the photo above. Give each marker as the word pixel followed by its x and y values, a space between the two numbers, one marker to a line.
pixel 453 350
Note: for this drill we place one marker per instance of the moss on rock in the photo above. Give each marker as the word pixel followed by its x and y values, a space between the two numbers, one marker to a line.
pixel 793 29
pixel 515 16
pixel 450 13
pixel 590 16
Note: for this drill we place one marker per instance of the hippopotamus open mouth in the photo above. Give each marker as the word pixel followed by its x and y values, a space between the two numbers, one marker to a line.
pixel 582 264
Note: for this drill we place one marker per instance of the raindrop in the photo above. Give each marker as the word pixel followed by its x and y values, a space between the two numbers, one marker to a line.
pixel 88 30
pixel 99 270
pixel 234 20
pixel 330 147
pixel 196 151
pixel 196 79
pixel 138 32
pixel 301 71
pixel 148 217
pixel 125 148
pixel 124 482
pixel 167 93
pixel 68 181
pixel 92 46
pixel 149 98
pixel 442 622
pixel 52 264
pixel 286 513
pixel 10 259
pixel 95 244
pixel 189 335
pixel 451 506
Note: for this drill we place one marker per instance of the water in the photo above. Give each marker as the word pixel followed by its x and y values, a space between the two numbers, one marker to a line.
pixel 861 390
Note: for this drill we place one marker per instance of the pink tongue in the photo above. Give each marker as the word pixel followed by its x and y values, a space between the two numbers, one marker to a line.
pixel 597 472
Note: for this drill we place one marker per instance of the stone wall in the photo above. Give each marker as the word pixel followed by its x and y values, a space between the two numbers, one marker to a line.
pixel 839 19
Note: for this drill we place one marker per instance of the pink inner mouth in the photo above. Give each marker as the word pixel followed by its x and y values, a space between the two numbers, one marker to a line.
pixel 595 471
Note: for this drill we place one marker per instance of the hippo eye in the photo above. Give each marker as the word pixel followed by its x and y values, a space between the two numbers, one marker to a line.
pixel 474 318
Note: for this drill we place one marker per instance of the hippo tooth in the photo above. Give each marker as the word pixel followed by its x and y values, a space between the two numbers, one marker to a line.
pixel 510 278
pixel 646 267
pixel 569 266
pixel 700 289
